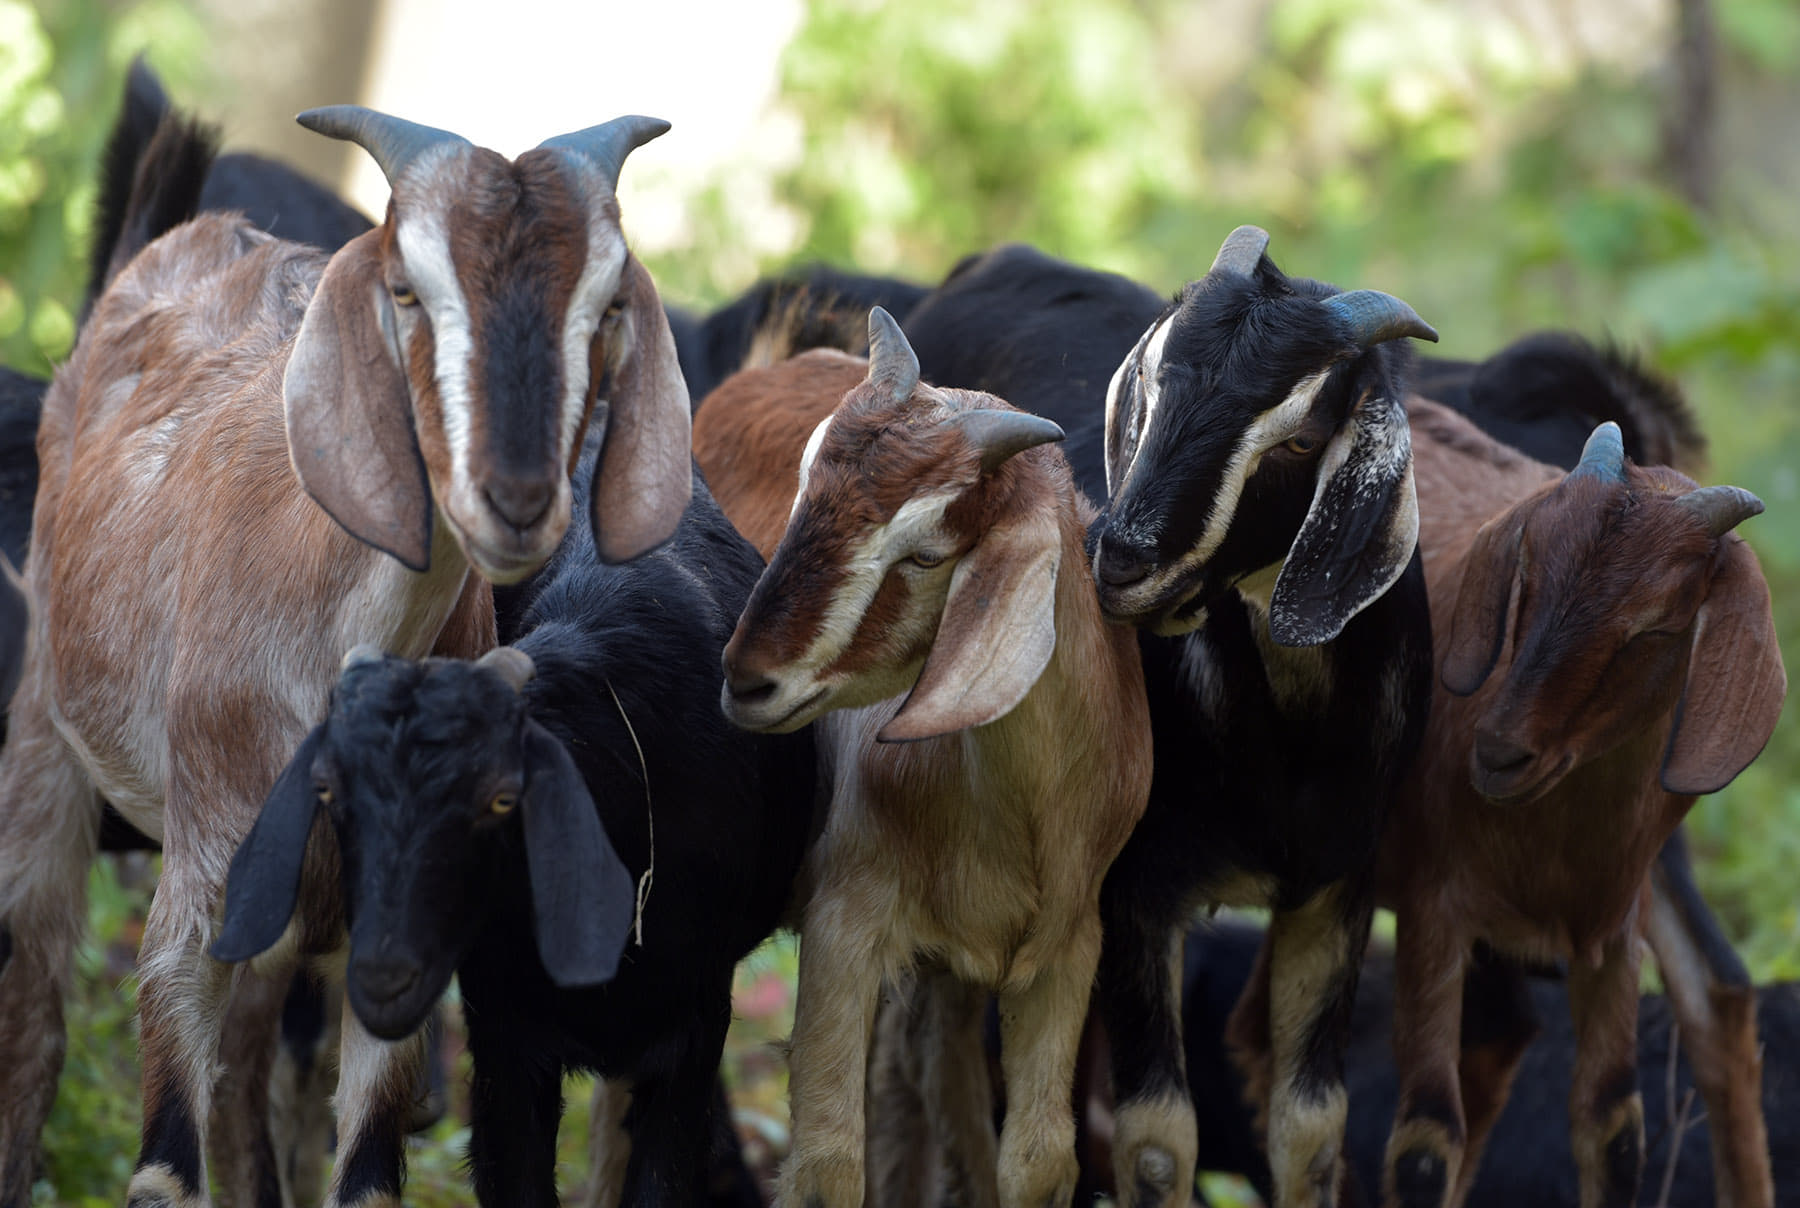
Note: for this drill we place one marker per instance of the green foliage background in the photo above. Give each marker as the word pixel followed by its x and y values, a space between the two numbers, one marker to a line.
pixel 1501 177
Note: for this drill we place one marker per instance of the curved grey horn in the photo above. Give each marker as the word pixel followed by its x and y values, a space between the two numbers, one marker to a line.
pixel 393 142
pixel 1603 456
pixel 1000 434
pixel 1722 508
pixel 510 664
pixel 1241 252
pixel 360 655
pixel 1373 317
pixel 893 364
pixel 609 143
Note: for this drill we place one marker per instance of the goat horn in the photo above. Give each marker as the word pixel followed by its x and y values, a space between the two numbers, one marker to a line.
pixel 1000 434
pixel 1373 317
pixel 1603 456
pixel 359 655
pixel 893 365
pixel 607 144
pixel 1241 252
pixel 1722 508
pixel 510 664
pixel 392 142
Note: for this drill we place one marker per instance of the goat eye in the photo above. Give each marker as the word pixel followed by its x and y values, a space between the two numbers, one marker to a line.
pixel 1300 444
pixel 503 803
pixel 323 791
pixel 927 559
pixel 404 295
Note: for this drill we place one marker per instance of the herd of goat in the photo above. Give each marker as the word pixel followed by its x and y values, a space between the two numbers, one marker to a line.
pixel 442 604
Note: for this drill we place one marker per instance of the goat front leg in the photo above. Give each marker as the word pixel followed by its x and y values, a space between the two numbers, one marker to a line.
pixel 1714 1003
pixel 242 1147
pixel 49 828
pixel 1606 1112
pixel 609 1146
pixel 834 1013
pixel 1498 1025
pixel 1040 1030
pixel 377 1082
pixel 1425 1150
pixel 1315 955
pixel 1155 1140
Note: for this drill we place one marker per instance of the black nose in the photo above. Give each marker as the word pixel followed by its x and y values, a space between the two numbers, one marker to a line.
pixel 1121 565
pixel 1498 754
pixel 521 501
pixel 385 979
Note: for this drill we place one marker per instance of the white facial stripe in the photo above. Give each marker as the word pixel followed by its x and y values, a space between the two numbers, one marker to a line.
pixel 1264 433
pixel 425 251
pixel 1146 359
pixel 806 459
pixel 594 291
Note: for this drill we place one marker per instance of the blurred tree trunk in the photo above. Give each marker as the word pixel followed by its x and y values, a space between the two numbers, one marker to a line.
pixel 1690 117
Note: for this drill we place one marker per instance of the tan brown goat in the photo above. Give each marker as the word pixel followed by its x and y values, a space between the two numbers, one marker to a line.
pixel 984 729
pixel 1606 654
pixel 257 458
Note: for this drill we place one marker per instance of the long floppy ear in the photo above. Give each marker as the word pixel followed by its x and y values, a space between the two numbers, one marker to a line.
pixel 1478 624
pixel 1735 681
pixel 996 636
pixel 644 479
pixel 581 891
pixel 349 410
pixel 264 879
pixel 1358 535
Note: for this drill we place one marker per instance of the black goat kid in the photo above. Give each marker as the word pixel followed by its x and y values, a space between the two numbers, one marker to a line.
pixel 477 805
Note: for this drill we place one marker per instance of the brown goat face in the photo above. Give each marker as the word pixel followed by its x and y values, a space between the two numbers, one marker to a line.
pixel 1603 582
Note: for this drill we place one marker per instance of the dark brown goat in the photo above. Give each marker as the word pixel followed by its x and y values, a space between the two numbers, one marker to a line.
pixel 1606 655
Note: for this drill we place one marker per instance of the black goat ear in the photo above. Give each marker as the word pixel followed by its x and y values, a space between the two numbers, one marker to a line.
pixel 1483 600
pixel 264 880
pixel 581 892
pixel 1360 532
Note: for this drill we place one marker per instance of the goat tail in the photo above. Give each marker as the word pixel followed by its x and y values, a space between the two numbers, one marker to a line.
pixel 1655 409
pixel 799 316
pixel 154 167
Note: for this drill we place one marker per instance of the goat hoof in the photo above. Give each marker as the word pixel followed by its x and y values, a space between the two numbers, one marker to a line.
pixel 1421 1179
pixel 158 1187
pixel 1154 1177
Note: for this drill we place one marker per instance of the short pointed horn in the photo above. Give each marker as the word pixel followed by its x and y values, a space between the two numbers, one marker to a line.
pixel 1241 252
pixel 1000 434
pixel 510 664
pixel 892 363
pixel 393 142
pixel 1603 456
pixel 1722 508
pixel 607 144
pixel 1373 317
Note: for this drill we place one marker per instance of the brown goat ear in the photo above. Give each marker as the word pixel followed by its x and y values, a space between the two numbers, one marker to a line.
pixel 1359 533
pixel 1478 624
pixel 349 410
pixel 264 881
pixel 1735 681
pixel 996 636
pixel 645 476
pixel 581 892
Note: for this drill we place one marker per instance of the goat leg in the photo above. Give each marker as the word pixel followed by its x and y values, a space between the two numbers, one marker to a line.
pixel 1425 1151
pixel 377 1081
pixel 49 826
pixel 1040 1030
pixel 1606 1112
pixel 242 1148
pixel 1139 998
pixel 671 1119
pixel 609 1146
pixel 1498 1025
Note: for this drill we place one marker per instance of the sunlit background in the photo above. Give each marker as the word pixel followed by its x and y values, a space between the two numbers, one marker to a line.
pixel 1626 168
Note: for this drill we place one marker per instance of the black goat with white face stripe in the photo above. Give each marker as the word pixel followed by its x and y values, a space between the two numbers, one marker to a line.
pixel 1257 388
pixel 1262 519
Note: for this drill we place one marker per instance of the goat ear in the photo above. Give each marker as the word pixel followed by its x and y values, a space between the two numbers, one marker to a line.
pixel 1359 533
pixel 1478 624
pixel 645 475
pixel 264 880
pixel 996 636
pixel 349 410
pixel 1735 681
pixel 581 891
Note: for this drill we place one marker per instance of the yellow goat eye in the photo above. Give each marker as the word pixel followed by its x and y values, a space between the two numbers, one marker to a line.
pixel 503 803
pixel 1301 444
pixel 404 295
pixel 324 794
pixel 927 559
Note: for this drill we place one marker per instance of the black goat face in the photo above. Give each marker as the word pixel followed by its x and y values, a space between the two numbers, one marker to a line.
pixel 434 777
pixel 1257 426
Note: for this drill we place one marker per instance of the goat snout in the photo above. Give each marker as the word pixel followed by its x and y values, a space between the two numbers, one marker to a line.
pixel 1498 753
pixel 521 502
pixel 1120 565
pixel 1503 768
pixel 384 979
